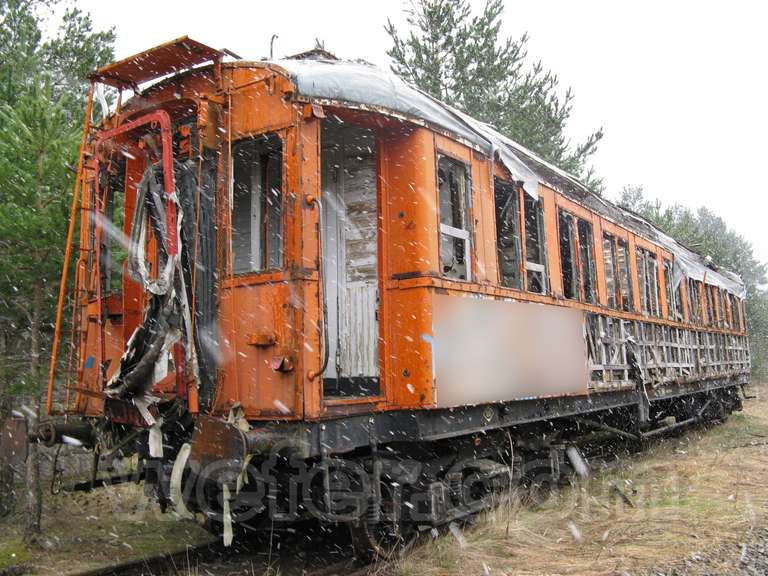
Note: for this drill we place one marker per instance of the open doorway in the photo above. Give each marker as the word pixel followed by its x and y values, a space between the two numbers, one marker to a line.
pixel 350 259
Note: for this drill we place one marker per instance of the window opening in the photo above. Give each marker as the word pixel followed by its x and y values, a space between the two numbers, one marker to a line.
pixel 567 233
pixel 670 290
pixel 709 301
pixel 113 252
pixel 587 258
pixel 647 273
pixel 257 204
pixel 507 199
pixel 609 261
pixel 535 261
pixel 625 276
pixel 694 301
pixel 453 185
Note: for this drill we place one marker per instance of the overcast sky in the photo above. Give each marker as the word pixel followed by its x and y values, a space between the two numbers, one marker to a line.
pixel 680 88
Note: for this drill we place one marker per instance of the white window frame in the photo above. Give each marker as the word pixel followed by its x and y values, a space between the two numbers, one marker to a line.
pixel 462 234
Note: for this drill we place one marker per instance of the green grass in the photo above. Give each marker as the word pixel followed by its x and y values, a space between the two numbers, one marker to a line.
pixel 13 552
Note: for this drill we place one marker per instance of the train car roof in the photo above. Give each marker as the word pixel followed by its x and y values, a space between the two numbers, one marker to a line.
pixel 360 84
pixel 319 77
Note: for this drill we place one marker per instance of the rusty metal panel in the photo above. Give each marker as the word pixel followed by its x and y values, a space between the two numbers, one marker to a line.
pixel 218 448
pixel 174 56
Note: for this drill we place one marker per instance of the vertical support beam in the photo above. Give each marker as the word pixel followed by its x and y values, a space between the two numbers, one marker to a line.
pixel 68 251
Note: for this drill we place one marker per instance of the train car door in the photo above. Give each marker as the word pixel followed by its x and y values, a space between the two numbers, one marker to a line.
pixel 350 256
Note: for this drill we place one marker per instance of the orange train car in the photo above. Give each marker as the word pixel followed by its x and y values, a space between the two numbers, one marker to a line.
pixel 306 287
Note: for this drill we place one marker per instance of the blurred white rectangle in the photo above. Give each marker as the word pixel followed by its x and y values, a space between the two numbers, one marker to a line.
pixel 491 350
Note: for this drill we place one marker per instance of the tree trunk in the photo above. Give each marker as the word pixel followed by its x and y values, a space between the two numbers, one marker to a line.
pixel 7 492
pixel 34 488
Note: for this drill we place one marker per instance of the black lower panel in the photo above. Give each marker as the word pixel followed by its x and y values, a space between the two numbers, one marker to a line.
pixel 351 387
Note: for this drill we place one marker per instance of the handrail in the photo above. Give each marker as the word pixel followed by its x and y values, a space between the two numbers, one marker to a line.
pixel 68 251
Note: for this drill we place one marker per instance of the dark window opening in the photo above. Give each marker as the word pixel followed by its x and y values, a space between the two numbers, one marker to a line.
pixel 257 204
pixel 669 290
pixel 567 233
pixel 535 259
pixel 113 250
pixel 721 307
pixel 735 317
pixel 694 301
pixel 625 276
pixel 647 274
pixel 587 259
pixel 609 261
pixel 679 301
pixel 709 301
pixel 507 198
pixel 453 186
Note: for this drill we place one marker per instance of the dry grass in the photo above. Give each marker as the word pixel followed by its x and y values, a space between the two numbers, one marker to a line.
pixel 699 494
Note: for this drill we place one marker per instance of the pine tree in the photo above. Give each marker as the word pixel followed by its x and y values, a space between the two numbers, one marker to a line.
pixel 41 105
pixel 463 59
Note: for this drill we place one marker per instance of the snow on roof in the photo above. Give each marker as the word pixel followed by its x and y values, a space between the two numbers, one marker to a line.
pixel 359 84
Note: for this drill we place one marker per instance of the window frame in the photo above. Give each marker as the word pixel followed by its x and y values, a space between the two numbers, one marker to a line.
pixel 583 273
pixel 669 290
pixel 694 302
pixel 463 234
pixel 648 278
pixel 513 195
pixel 571 235
pixel 627 303
pixel 588 278
pixel 540 267
pixel 264 247
pixel 609 241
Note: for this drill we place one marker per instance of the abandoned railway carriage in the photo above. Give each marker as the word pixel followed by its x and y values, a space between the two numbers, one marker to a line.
pixel 284 263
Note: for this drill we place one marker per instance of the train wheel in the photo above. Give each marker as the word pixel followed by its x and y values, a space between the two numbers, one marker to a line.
pixel 539 484
pixel 380 534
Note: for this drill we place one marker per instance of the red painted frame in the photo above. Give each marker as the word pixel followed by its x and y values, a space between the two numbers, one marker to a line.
pixel 163 119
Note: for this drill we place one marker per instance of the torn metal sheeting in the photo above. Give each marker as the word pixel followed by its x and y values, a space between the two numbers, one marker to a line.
pixel 167 318
pixel 177 474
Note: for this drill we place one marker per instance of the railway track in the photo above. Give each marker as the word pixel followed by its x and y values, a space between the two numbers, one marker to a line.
pixel 314 552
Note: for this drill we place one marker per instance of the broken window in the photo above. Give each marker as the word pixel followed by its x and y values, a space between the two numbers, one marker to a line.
pixel 625 276
pixel 735 316
pixel 507 198
pixel 535 259
pixel 609 260
pixel 113 251
pixel 453 186
pixel 709 301
pixel 577 257
pixel 257 204
pixel 694 301
pixel 587 259
pixel 717 312
pixel 647 274
pixel 721 308
pixel 567 232
pixel 742 314
pixel 679 301
pixel 670 290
